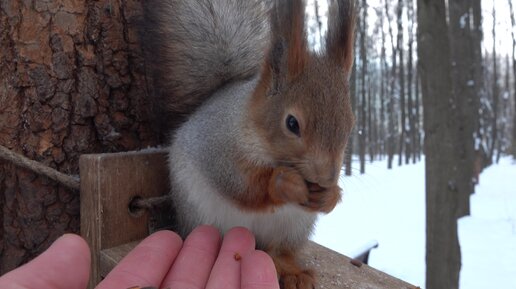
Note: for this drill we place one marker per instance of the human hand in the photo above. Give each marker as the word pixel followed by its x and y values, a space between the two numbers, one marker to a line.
pixel 161 260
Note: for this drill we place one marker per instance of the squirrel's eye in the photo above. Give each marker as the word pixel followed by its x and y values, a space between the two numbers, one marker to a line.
pixel 293 125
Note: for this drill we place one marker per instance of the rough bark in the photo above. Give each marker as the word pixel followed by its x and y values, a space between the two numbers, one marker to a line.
pixel 71 82
pixel 442 245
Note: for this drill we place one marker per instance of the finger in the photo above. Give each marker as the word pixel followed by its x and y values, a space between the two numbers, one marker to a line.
pixel 147 264
pixel 66 264
pixel 226 271
pixel 258 271
pixel 192 267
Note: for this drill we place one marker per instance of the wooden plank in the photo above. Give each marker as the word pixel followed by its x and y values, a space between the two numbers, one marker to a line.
pixel 334 271
pixel 108 183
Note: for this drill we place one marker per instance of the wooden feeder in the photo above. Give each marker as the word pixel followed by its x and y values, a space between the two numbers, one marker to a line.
pixel 109 182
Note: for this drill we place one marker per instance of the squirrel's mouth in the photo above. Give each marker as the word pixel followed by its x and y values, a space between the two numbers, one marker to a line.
pixel 314 188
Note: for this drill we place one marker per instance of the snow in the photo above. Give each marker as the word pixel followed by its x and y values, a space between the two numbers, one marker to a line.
pixel 388 206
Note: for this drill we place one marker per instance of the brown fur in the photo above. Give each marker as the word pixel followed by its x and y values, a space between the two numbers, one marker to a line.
pixel 256 197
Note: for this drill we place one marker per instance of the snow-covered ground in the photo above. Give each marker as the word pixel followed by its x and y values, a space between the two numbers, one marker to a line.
pixel 389 206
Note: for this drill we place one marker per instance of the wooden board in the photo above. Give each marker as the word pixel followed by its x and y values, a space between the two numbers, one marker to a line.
pixel 334 271
pixel 110 181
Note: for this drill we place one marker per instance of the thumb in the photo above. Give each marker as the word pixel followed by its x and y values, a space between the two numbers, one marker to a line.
pixel 65 265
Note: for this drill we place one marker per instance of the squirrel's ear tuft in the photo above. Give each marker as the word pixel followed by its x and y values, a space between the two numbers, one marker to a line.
pixel 291 18
pixel 341 33
pixel 288 53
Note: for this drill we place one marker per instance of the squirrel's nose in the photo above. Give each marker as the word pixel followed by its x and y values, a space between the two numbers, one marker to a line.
pixel 327 176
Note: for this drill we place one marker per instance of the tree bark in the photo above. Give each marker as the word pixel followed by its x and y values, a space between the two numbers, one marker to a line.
pixel 442 246
pixel 468 102
pixel 72 82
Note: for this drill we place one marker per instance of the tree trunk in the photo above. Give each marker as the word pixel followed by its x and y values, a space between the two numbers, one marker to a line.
pixel 463 73
pixel 352 92
pixel 411 143
pixel 383 88
pixel 495 92
pixel 443 259
pixel 401 76
pixel 370 129
pixel 72 82
pixel 363 93
pixel 513 30
pixel 392 80
pixel 481 91
pixel 417 125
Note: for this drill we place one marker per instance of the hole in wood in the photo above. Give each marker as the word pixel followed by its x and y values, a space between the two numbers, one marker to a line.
pixel 135 210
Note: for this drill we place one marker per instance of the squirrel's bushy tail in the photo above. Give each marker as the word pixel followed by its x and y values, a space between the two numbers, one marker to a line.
pixel 196 46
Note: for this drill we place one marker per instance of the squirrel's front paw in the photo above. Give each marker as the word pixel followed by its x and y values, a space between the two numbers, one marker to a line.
pixel 322 199
pixel 288 186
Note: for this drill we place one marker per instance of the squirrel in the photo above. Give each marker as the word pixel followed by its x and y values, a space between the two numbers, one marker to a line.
pixel 264 121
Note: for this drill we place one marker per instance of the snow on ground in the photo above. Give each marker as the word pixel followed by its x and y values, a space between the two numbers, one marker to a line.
pixel 389 206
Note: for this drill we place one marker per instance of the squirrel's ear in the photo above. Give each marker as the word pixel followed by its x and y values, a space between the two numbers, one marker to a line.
pixel 290 23
pixel 288 52
pixel 341 33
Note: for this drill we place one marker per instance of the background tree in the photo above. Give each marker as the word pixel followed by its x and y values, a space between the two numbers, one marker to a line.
pixel 495 94
pixel 361 124
pixel 411 109
pixel 391 125
pixel 513 34
pixel 402 146
pixel 467 100
pixel 441 146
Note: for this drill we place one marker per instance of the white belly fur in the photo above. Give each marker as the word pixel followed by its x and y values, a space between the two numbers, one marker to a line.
pixel 288 225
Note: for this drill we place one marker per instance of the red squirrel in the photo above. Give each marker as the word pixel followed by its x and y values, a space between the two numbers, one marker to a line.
pixel 265 120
